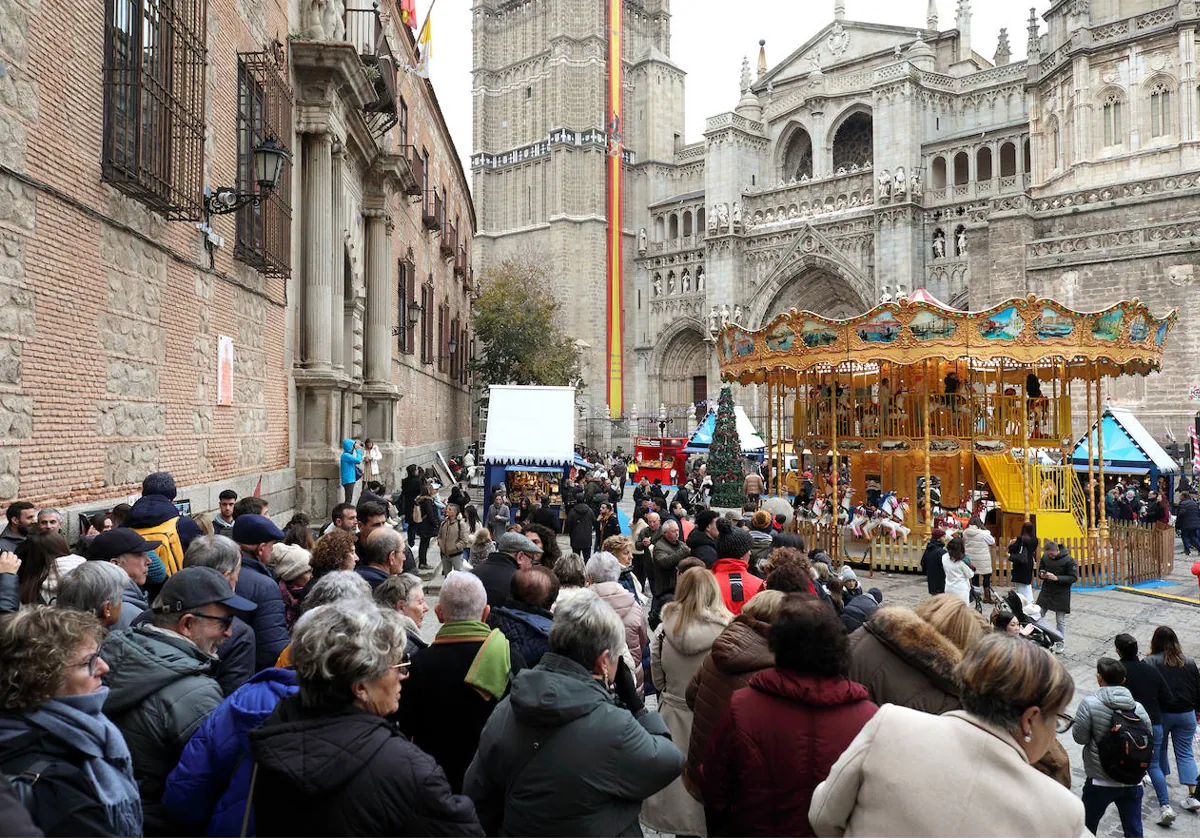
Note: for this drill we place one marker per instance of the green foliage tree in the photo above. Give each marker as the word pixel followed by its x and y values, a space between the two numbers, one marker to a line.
pixel 515 322
pixel 725 463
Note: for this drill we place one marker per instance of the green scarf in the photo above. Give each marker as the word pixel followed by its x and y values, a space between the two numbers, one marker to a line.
pixel 489 671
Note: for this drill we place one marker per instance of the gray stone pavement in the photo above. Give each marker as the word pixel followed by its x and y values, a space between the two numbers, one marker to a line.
pixel 1097 616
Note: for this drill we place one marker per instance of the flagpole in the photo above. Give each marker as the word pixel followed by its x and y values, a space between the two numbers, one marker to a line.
pixel 425 23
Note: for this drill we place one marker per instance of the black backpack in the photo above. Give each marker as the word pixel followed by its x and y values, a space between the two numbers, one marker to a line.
pixel 1127 749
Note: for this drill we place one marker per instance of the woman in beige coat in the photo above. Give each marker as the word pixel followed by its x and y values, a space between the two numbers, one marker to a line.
pixel 691 623
pixel 979 541
pixel 977 778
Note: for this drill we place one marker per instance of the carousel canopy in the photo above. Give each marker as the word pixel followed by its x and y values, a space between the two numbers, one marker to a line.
pixel 528 424
pixel 1124 338
pixel 1128 447
pixel 701 439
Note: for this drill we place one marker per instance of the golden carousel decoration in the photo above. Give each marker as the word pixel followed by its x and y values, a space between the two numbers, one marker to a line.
pixel 913 400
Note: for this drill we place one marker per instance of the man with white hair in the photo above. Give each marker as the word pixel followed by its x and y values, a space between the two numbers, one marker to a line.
pixel 645 533
pixel 560 758
pixel 456 682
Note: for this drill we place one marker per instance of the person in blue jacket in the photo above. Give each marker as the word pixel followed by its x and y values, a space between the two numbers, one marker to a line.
pixel 207 791
pixel 256 536
pixel 351 457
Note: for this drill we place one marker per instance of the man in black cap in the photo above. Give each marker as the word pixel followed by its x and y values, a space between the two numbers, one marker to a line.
pixel 256 537
pixel 160 678
pixel 513 551
pixel 126 549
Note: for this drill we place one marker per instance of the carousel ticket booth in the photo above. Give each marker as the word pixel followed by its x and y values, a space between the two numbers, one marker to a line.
pixel 917 407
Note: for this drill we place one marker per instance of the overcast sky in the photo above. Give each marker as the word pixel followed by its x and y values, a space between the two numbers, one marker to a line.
pixel 709 38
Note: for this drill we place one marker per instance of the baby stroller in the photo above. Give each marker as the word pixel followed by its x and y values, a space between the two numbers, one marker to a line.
pixel 1030 616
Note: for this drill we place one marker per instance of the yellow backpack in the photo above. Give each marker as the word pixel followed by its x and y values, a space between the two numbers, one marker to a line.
pixel 171 549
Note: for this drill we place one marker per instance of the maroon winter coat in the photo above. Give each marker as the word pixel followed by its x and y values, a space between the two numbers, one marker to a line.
pixel 778 741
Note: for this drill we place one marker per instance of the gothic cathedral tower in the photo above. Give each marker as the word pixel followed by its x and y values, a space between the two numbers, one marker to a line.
pixel 540 143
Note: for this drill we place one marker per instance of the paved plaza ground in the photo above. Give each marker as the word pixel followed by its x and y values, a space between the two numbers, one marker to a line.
pixel 1097 616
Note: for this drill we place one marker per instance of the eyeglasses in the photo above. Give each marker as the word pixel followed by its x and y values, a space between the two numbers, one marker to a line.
pixel 89 663
pixel 402 667
pixel 1064 723
pixel 226 621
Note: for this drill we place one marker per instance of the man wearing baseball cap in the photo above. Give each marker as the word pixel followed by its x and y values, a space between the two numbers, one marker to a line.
pixel 256 536
pixel 513 551
pixel 126 549
pixel 161 677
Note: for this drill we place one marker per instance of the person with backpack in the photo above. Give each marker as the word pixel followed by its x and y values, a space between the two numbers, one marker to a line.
pixel 1149 688
pixel 1118 746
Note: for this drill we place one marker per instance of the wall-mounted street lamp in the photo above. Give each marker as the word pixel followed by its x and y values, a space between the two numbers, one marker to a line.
pixel 414 317
pixel 269 158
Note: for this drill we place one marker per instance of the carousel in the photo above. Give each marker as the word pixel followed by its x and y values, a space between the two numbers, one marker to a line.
pixel 920 416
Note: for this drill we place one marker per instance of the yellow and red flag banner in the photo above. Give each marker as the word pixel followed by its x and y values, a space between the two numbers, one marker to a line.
pixel 408 13
pixel 613 118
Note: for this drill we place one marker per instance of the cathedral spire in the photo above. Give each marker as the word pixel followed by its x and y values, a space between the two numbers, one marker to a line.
pixel 962 22
pixel 762 58
pixel 1034 46
pixel 1003 50
pixel 931 16
pixel 839 10
pixel 745 73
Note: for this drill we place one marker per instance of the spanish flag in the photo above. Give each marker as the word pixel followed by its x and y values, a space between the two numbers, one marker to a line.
pixel 408 13
pixel 425 47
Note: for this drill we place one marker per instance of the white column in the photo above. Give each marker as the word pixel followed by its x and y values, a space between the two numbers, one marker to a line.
pixel 318 242
pixel 377 335
pixel 338 258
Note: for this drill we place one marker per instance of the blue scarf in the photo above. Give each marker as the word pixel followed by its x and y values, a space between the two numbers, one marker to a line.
pixel 78 720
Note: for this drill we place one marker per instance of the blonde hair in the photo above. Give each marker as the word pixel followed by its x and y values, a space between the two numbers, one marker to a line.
pixel 951 617
pixel 618 543
pixel 204 522
pixel 482 537
pixel 697 596
pixel 765 606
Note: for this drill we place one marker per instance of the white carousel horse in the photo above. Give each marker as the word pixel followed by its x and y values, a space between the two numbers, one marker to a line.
pixel 844 508
pixel 860 521
pixel 892 514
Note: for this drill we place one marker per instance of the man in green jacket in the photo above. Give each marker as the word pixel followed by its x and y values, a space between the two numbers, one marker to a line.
pixel 161 677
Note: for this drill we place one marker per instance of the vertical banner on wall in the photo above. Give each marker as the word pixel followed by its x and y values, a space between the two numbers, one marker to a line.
pixel 224 370
pixel 616 338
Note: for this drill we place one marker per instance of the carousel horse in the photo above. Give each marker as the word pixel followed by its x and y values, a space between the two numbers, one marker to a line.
pixel 845 507
pixel 861 522
pixel 892 514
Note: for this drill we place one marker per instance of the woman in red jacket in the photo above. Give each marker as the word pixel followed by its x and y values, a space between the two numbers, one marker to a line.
pixel 785 730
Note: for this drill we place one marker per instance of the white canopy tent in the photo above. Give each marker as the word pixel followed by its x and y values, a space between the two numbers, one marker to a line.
pixel 530 424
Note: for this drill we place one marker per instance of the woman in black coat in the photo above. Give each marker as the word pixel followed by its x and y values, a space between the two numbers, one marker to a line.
pixel 580 527
pixel 931 562
pixel 427 528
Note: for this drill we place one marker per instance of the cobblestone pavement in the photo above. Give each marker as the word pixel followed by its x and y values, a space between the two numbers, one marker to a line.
pixel 1097 616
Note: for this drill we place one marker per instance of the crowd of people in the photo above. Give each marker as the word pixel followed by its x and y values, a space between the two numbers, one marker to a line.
pixel 224 676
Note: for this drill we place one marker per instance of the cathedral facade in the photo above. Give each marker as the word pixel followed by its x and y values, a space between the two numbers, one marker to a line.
pixel 871 161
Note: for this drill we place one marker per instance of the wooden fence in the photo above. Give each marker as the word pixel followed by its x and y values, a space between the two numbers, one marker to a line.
pixel 1131 554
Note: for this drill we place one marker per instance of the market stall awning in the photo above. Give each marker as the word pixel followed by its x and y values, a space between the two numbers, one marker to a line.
pixel 1128 447
pixel 580 462
pixel 701 439
pixel 529 424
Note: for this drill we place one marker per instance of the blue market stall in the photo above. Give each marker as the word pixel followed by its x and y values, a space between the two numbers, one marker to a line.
pixel 1129 450
pixel 529 447
pixel 753 446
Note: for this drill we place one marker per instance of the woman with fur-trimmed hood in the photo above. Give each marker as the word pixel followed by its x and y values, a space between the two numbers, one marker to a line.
pixel 907 657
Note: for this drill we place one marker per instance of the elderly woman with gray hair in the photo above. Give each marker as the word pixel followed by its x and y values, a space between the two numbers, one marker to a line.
pixel 94 588
pixel 327 761
pixel 603 571
pixel 559 756
pixel 406 595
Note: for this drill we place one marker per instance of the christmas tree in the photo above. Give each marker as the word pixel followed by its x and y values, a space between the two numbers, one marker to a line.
pixel 725 463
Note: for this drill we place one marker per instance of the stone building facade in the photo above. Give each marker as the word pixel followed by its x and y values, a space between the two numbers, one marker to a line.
pixel 117 288
pixel 871 161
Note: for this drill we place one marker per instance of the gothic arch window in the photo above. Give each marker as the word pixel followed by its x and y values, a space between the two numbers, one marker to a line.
pixel 854 142
pixel 658 229
pixel 962 169
pixel 1160 109
pixel 939 173
pixel 983 164
pixel 1008 160
pixel 798 158
pixel 700 220
pixel 687 222
pixel 673 227
pixel 1112 118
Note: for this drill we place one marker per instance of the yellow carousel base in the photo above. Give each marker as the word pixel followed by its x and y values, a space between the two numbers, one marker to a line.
pixel 1058 526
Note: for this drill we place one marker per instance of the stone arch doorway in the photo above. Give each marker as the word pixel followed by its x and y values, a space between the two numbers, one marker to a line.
pixel 681 368
pixel 815 287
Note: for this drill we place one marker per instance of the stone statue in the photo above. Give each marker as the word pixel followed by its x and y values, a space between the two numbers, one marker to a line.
pixel 685 282
pixel 885 183
pixel 323 20
pixel 962 243
pixel 714 321
pixel 841 170
pixel 901 181
pixel 722 216
pixel 737 215
pixel 737 313
pixel 725 314
pixel 642 241
pixel 841 202
pixel 671 283
pixel 939 245
pixel 915 187
pixel 713 218
pixel 658 285
pixel 884 295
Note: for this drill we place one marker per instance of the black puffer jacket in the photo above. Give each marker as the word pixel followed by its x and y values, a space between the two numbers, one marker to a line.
pixel 703 546
pixel 1056 594
pixel 580 527
pixel 349 773
pixel 931 567
pixel 857 610
pixel 1187 515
